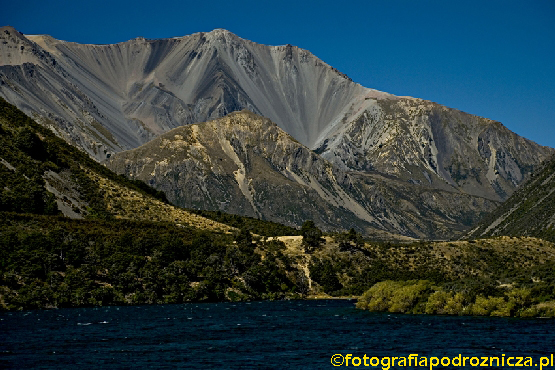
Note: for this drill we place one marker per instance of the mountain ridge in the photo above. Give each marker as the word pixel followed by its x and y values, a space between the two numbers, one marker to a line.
pixel 228 47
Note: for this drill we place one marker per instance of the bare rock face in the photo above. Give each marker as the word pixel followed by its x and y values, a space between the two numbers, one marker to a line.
pixel 405 165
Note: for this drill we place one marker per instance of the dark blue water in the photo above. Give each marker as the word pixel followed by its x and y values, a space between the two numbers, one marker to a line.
pixel 285 334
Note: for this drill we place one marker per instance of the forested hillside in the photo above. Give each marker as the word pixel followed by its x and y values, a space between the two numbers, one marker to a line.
pixel 50 261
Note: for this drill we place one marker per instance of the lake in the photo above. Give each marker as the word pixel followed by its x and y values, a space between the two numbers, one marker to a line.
pixel 281 334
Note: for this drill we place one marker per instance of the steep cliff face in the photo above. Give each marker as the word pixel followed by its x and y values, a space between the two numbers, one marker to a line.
pixel 243 163
pixel 530 211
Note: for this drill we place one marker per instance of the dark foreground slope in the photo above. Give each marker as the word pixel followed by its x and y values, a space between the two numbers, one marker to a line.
pixel 42 174
pixel 530 211
pixel 50 261
pixel 123 243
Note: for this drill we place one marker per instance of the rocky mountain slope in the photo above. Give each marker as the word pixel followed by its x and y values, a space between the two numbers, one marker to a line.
pixel 245 164
pixel 530 211
pixel 425 143
pixel 122 95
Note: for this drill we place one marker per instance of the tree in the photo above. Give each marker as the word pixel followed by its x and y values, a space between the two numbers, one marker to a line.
pixel 312 236
pixel 325 273
pixel 30 143
pixel 243 238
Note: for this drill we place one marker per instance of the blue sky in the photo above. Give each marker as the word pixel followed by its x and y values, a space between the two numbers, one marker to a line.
pixel 491 58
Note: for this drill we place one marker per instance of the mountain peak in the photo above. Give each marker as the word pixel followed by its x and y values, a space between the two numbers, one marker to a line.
pixel 16 49
pixel 9 30
pixel 221 35
pixel 221 31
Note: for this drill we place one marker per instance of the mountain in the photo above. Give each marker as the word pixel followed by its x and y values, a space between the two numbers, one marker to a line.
pixel 107 99
pixel 425 143
pixel 530 211
pixel 245 164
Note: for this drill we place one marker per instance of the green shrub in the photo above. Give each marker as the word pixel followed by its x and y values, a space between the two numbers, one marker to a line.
pixel 396 296
pixel 437 302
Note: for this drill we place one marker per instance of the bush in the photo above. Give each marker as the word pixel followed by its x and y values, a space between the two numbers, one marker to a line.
pixel 396 296
pixel 312 236
pixel 437 302
pixel 324 273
